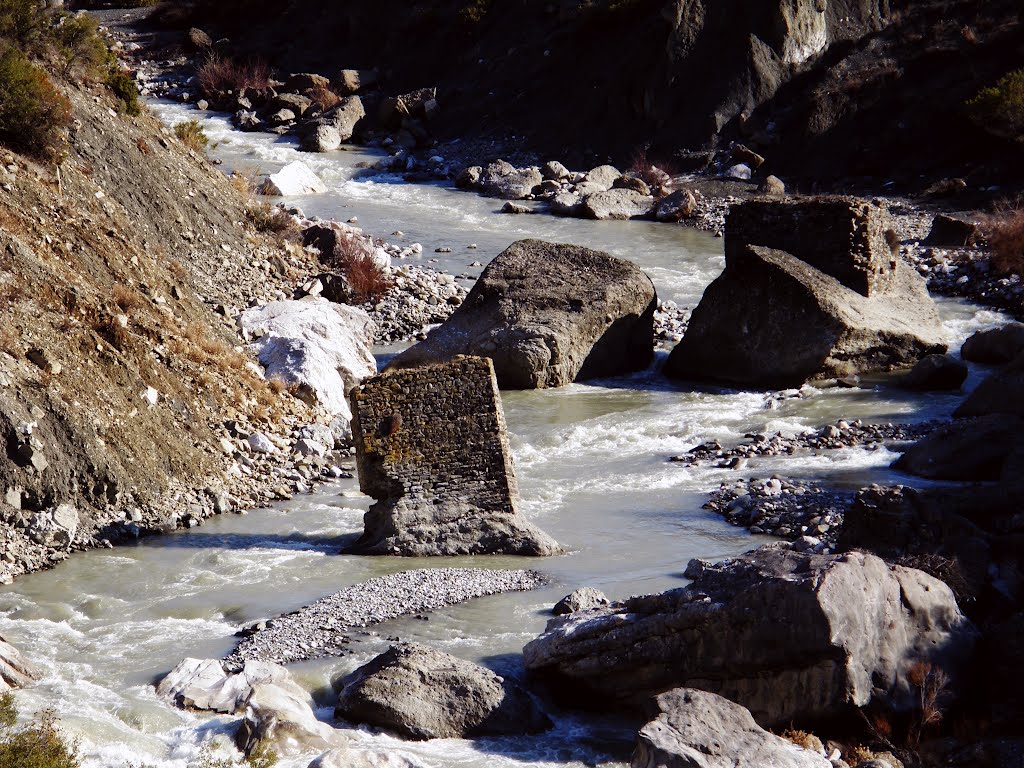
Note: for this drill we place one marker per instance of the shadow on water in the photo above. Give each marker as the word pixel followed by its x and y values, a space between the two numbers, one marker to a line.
pixel 291 541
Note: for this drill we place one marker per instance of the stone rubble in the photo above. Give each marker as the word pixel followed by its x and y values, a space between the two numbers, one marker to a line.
pixel 842 434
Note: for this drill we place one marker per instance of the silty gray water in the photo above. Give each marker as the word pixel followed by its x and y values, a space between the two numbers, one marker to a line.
pixel 591 460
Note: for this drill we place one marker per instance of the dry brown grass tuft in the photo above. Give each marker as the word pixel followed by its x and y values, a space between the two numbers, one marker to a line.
pixel 325 97
pixel 127 298
pixel 803 739
pixel 219 75
pixel 353 256
pixel 272 220
pixel 177 270
pixel 1005 231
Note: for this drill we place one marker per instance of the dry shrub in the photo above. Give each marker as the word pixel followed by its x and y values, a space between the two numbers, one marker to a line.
pixel 652 171
pixel 803 739
pixel 127 298
pixel 219 74
pixel 272 220
pixel 931 684
pixel 246 179
pixel 112 331
pixel 353 257
pixel 276 385
pixel 1005 231
pixel 177 270
pixel 323 96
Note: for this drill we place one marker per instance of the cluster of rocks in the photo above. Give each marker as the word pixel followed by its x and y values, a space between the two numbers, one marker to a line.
pixel 603 192
pixel 419 298
pixel 323 628
pixel 792 510
pixel 842 434
pixel 670 321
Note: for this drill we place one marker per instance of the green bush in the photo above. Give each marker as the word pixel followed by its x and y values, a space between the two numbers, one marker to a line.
pixel 33 113
pixel 123 86
pixel 1000 109
pixel 191 134
pixel 36 745
pixel 24 23
pixel 78 42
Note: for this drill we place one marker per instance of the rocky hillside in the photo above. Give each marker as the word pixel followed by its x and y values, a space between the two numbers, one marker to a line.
pixel 585 80
pixel 117 374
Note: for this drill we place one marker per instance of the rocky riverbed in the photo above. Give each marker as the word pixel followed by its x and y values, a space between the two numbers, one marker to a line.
pixel 324 628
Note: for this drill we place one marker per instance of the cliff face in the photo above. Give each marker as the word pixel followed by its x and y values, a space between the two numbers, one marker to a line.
pixel 587 80
pixel 115 374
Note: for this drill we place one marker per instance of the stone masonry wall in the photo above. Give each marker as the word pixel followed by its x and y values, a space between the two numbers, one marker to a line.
pixel 847 238
pixel 436 432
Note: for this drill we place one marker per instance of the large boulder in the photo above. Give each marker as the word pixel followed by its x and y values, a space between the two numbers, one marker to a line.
pixel 323 349
pixel 695 729
pixel 618 203
pixel 208 685
pixel 788 635
pixel 1000 392
pixel 15 670
pixel 995 346
pixel 935 373
pixel 966 449
pixel 54 527
pixel 421 693
pixel 548 315
pixel 504 180
pixel 812 289
pixel 344 117
pixel 321 138
pixel 294 179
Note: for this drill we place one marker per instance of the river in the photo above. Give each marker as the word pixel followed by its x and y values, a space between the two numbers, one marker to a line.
pixel 593 470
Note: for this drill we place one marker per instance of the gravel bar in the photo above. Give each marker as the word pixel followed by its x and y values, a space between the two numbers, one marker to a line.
pixel 320 629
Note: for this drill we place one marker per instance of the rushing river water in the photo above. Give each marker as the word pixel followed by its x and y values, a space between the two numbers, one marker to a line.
pixel 592 466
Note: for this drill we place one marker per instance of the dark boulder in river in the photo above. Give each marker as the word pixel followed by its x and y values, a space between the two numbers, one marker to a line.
pixel 786 634
pixel 549 315
pixel 812 289
pixel 421 693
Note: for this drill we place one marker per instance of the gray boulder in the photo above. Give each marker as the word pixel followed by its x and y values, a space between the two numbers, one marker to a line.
pixel 54 527
pixel 696 729
pixel 967 449
pixel 811 290
pixel 321 138
pixel 582 599
pixel 785 634
pixel 601 178
pixel 951 232
pixel 15 670
pixel 351 81
pixel 548 315
pixel 995 346
pixel 504 180
pixel 344 117
pixel 935 372
pixel 554 170
pixel 772 185
pixel 291 102
pixel 421 693
pixel 679 205
pixel 566 204
pixel 617 203
pixel 1000 392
